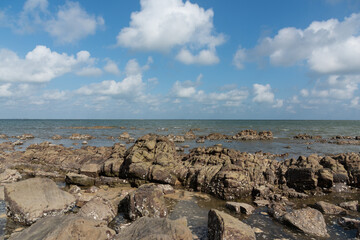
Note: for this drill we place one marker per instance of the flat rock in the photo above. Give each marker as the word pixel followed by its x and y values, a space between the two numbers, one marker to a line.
pixel 99 208
pixel 79 179
pixel 31 199
pixel 156 229
pixel 261 203
pixel 329 208
pixel 307 220
pixel 65 227
pixel 240 207
pixel 351 205
pixel 222 226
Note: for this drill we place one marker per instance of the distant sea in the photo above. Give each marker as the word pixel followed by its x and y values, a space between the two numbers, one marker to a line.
pixel 283 131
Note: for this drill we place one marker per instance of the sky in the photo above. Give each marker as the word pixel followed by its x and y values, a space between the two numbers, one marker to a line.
pixel 176 59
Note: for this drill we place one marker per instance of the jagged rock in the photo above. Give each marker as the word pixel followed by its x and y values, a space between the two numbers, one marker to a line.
pixel 329 208
pixel 56 137
pixel 253 135
pixel 79 179
pixel 25 136
pixel 156 229
pixel 222 226
pixel 148 200
pixel 77 136
pixel 111 167
pixel 351 205
pixel 9 176
pixel 351 162
pixel 301 178
pixel 65 227
pixel 350 223
pixel 99 208
pixel 31 199
pixel 307 220
pixel 240 207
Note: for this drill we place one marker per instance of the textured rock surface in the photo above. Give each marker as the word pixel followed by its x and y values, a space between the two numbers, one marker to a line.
pixel 65 227
pixel 31 199
pixel 240 207
pixel 156 229
pixel 99 208
pixel 222 226
pixel 329 208
pixel 9 176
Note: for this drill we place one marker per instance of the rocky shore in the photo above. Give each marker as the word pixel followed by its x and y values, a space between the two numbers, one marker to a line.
pixel 117 192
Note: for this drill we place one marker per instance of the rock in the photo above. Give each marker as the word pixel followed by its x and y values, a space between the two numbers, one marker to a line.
pixel 240 207
pixel 124 136
pixel 349 223
pixel 306 137
pixel 179 139
pixel 216 136
pixel 326 178
pixel 190 135
pixel 329 208
pixel 91 170
pixel 9 176
pixel 253 135
pixel 17 143
pixel 65 227
pixel 156 229
pixel 25 137
pixel 111 167
pixel 261 203
pixel 4 136
pixel 98 209
pixel 77 136
pixel 222 226
pixel 148 200
pixel 166 188
pixel 307 220
pixel 56 137
pixel 301 178
pixel 351 205
pixel 200 140
pixel 31 199
pixel 79 179
pixel 84 143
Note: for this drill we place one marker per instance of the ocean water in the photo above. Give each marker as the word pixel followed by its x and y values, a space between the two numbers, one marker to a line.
pixel 283 131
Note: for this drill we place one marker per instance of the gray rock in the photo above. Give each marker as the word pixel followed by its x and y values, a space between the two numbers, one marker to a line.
pixel 156 229
pixel 261 203
pixel 148 200
pixel 29 200
pixel 222 226
pixel 79 179
pixel 9 176
pixel 240 207
pixel 307 220
pixel 329 208
pixel 351 205
pixel 99 209
pixel 65 227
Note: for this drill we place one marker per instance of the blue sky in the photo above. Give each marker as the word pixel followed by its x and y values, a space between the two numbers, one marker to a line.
pixel 205 59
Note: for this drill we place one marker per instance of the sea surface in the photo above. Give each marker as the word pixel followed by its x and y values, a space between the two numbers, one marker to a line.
pixel 283 131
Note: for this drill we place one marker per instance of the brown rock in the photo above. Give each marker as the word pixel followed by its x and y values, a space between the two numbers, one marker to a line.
pixel 98 209
pixel 240 207
pixel 329 208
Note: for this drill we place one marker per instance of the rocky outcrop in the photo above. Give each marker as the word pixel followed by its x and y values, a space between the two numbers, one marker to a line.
pixel 157 229
pixel 190 135
pixel 222 226
pixel 31 199
pixel 253 135
pixel 152 158
pixel 306 137
pixel 100 209
pixel 147 201
pixel 9 176
pixel 351 162
pixel 77 136
pixel 124 136
pixel 79 179
pixel 65 227
pixel 351 205
pixel 25 136
pixel 329 208
pixel 56 137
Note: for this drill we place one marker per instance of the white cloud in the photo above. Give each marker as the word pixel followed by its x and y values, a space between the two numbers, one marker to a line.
pixel 112 68
pixel 72 23
pixel 54 95
pixel 263 93
pixel 39 65
pixel 304 92
pixel 161 25
pixel 328 47
pixel 355 103
pixel 89 72
pixel 5 90
pixel 278 104
pixel 239 58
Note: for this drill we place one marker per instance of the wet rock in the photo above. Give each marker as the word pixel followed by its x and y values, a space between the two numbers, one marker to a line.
pixel 77 136
pixel 65 227
pixel 216 136
pixel 301 178
pixel 350 223
pixel 200 140
pixel 148 200
pixel 4 136
pixel 306 137
pixel 277 211
pixel 9 176
pixel 157 229
pixel 307 220
pixel 351 205
pixel 261 203
pixel 179 139
pixel 223 226
pixel 25 136
pixel 99 208
pixel 253 135
pixel 31 199
pixel 124 136
pixel 56 137
pixel 326 178
pixel 17 143
pixel 7 146
pixel 329 208
pixel 240 207
pixel 79 179
pixel 190 135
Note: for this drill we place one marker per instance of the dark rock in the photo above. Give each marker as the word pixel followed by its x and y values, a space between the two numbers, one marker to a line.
pixel 240 207
pixel 301 178
pixel 31 199
pixel 222 226
pixel 148 200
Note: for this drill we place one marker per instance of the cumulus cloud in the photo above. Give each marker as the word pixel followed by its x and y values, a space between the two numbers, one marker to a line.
pixel 39 65
pixel 328 47
pixel 54 95
pixel 72 23
pixel 89 72
pixel 161 25
pixel 5 90
pixel 111 67
pixel 264 94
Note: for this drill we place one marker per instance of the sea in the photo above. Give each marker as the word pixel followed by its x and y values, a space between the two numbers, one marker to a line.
pixel 283 131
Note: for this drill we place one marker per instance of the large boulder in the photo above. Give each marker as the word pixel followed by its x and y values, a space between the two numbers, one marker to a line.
pixel 307 220
pixel 152 158
pixel 99 208
pixel 31 199
pixel 148 200
pixel 65 227
pixel 222 226
pixel 156 229
pixel 79 179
